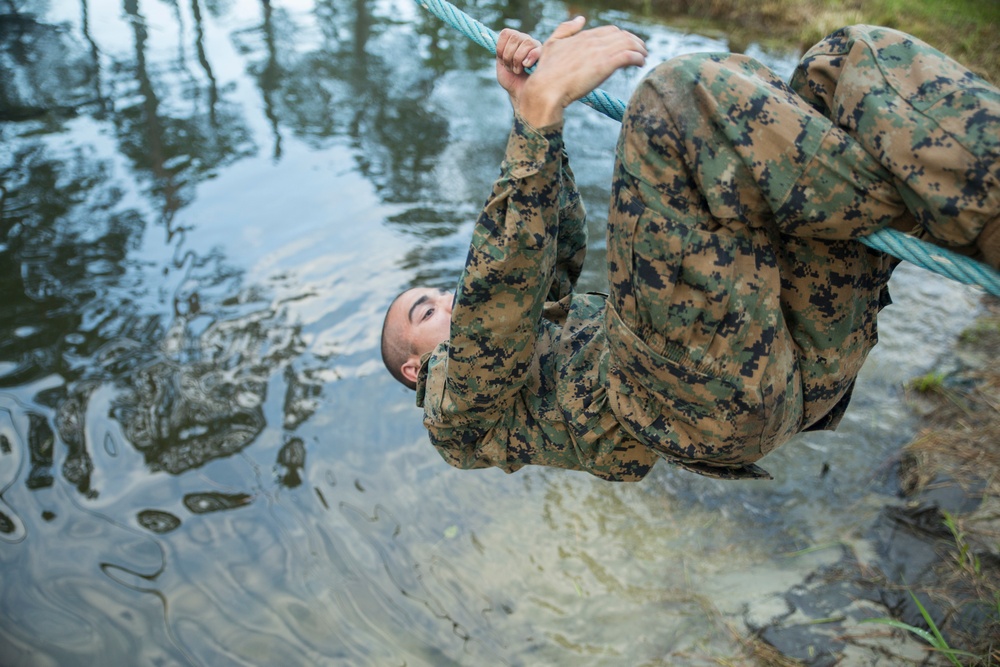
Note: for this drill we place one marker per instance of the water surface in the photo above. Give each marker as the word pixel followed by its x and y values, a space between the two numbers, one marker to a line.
pixel 206 207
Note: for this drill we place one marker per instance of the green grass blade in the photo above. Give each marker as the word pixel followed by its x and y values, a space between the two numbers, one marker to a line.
pixel 920 632
pixel 940 643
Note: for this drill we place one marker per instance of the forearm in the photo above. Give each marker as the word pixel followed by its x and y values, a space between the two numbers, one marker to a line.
pixel 507 276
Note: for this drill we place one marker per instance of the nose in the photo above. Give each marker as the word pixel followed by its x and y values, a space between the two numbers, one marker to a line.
pixel 447 301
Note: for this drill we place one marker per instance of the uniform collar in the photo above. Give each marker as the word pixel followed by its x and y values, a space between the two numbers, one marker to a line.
pixel 422 379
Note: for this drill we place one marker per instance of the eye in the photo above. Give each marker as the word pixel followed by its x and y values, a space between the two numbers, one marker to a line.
pixel 428 313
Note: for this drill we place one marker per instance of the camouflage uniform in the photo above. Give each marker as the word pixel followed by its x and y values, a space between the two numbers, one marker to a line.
pixel 741 307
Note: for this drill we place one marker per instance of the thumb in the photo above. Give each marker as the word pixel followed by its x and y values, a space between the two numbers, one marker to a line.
pixel 568 28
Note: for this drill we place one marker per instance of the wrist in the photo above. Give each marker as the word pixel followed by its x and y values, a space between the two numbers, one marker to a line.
pixel 514 103
pixel 539 106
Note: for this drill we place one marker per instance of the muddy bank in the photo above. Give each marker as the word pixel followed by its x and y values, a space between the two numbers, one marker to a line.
pixel 936 546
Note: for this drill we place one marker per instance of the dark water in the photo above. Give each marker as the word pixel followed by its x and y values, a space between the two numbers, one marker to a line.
pixel 206 206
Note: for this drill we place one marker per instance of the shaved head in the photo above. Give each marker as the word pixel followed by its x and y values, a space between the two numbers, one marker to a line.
pixel 417 321
pixel 396 347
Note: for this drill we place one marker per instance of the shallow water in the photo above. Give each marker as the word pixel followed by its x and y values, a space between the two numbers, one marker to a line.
pixel 206 208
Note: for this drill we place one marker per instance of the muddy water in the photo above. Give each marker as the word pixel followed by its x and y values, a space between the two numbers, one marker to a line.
pixel 206 207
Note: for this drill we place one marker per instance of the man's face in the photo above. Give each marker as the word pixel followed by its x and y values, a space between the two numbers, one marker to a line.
pixel 424 316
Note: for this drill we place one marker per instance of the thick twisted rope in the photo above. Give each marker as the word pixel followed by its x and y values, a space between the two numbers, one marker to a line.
pixel 612 107
pixel 925 255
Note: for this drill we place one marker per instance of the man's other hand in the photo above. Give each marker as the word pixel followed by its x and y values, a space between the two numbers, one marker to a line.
pixel 573 62
pixel 516 52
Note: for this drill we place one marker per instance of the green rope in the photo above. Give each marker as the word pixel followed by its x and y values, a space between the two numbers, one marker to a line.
pixel 925 255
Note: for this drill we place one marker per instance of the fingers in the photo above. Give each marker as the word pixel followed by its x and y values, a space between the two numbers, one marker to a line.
pixel 608 42
pixel 623 59
pixel 527 54
pixel 574 62
pixel 516 50
pixel 612 48
pixel 567 28
pixel 611 38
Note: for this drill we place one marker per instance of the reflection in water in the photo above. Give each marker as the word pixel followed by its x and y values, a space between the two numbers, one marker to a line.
pixel 70 420
pixel 157 521
pixel 40 441
pixel 210 501
pixel 181 417
pixel 199 42
pixel 292 456
pixel 94 74
pixel 43 75
pixel 176 150
pixel 118 345
pixel 270 76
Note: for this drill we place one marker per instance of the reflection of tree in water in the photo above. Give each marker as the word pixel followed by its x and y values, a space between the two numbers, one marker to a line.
pixel 343 87
pixel 178 145
pixel 189 384
pixel 352 82
pixel 41 442
pixel 182 416
pixel 43 73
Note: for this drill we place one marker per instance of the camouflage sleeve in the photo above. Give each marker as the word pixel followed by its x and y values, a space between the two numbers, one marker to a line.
pixel 508 272
pixel 571 247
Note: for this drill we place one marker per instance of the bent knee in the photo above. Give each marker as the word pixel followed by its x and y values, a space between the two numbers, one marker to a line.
pixel 681 73
pixel 698 84
pixel 717 72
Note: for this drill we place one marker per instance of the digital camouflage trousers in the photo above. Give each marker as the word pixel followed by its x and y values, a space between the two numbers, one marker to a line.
pixel 741 305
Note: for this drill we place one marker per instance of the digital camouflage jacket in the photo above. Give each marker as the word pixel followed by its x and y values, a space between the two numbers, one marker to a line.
pixel 491 395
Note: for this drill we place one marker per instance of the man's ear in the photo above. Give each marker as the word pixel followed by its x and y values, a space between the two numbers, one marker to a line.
pixel 411 368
